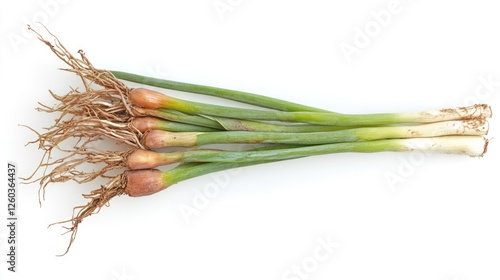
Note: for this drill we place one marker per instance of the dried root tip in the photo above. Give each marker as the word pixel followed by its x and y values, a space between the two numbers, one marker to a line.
pixel 98 198
pixel 486 143
pixel 475 126
pixel 476 111
pixel 144 182
pixel 485 111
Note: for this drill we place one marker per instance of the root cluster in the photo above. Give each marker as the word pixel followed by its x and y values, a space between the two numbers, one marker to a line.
pixel 98 198
pixel 99 112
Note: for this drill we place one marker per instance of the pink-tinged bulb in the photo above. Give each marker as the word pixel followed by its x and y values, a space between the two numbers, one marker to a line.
pixel 144 182
pixel 144 124
pixel 142 159
pixel 145 159
pixel 148 98
pixel 155 139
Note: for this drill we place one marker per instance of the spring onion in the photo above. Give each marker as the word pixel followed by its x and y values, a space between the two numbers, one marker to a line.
pixel 146 120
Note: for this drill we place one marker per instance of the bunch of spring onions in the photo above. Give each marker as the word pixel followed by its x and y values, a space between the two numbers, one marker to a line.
pixel 144 121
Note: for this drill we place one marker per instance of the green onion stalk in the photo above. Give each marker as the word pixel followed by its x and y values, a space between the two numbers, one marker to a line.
pixel 154 100
pixel 220 160
pixel 144 158
pixel 235 95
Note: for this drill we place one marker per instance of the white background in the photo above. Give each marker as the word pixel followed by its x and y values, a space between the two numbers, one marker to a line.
pixel 441 222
